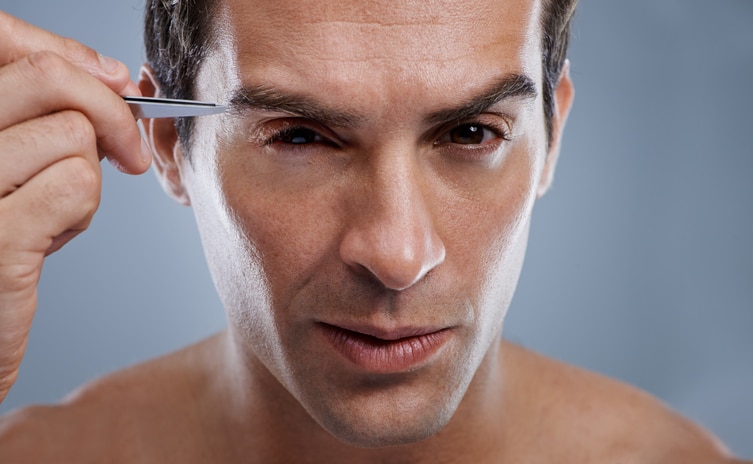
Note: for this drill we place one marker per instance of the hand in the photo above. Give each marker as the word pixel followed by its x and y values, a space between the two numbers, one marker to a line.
pixel 60 114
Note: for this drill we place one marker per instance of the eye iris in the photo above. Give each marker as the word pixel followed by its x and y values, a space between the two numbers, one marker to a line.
pixel 299 136
pixel 467 134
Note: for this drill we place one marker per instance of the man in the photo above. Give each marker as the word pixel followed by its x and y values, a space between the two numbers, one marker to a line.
pixel 364 208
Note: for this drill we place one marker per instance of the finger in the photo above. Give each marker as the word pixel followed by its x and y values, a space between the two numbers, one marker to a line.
pixel 19 39
pixel 60 199
pixel 45 82
pixel 33 145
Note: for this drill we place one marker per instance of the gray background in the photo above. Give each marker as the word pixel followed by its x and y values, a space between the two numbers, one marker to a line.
pixel 640 264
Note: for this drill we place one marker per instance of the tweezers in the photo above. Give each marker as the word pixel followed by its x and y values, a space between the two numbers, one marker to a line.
pixel 148 108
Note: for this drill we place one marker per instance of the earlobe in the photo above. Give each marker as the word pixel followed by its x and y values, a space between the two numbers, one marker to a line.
pixel 564 94
pixel 163 139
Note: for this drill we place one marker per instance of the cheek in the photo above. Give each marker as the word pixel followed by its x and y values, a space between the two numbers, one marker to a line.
pixel 489 233
pixel 233 260
pixel 241 238
pixel 489 215
pixel 292 231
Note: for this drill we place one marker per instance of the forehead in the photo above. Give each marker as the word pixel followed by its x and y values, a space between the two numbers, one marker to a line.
pixel 437 44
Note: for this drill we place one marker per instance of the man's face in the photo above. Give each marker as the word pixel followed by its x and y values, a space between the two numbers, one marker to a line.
pixel 365 204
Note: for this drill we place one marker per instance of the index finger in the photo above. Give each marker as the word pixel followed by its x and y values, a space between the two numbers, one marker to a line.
pixel 19 39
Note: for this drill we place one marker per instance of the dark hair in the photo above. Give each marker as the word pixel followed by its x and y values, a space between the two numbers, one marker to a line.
pixel 556 20
pixel 178 36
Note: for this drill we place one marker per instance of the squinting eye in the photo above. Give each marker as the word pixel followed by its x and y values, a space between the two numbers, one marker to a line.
pixel 469 134
pixel 297 136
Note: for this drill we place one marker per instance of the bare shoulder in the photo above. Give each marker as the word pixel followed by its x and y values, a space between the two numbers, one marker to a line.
pixel 598 419
pixel 113 419
pixel 74 431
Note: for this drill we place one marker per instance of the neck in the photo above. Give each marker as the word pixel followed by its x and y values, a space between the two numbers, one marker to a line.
pixel 257 417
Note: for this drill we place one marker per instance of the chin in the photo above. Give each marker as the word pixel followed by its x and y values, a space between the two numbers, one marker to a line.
pixel 387 434
pixel 389 417
pixel 374 441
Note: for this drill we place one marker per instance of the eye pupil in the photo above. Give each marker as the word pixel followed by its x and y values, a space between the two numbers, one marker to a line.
pixel 467 134
pixel 299 136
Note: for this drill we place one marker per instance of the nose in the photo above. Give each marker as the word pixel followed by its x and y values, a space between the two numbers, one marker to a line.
pixel 391 232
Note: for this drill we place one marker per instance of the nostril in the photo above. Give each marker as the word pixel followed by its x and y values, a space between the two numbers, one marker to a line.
pixel 385 277
pixel 364 273
pixel 401 273
pixel 395 258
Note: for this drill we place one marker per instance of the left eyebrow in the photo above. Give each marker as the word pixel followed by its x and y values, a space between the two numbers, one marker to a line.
pixel 267 98
pixel 510 86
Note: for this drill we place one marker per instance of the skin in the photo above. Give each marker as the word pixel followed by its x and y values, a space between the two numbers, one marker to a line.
pixel 388 217
pixel 378 216
pixel 61 116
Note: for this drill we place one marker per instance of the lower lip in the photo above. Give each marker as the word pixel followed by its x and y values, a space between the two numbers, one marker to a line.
pixel 384 356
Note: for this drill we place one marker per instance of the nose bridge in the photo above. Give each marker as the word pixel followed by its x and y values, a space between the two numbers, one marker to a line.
pixel 392 232
pixel 396 194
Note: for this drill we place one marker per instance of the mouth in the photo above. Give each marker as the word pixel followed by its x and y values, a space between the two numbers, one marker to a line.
pixel 385 352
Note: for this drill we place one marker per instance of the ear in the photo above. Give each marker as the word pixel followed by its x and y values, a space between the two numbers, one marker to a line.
pixel 563 100
pixel 162 138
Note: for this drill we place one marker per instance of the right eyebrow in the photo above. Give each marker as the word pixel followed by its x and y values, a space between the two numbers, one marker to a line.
pixel 509 86
pixel 265 98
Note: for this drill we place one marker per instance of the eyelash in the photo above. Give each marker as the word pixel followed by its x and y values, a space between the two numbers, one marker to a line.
pixel 289 131
pixel 498 130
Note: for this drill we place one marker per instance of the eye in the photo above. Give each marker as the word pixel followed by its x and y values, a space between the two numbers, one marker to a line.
pixel 296 136
pixel 471 134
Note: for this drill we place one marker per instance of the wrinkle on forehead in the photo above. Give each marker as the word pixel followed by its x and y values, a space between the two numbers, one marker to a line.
pixel 375 30
pixel 382 12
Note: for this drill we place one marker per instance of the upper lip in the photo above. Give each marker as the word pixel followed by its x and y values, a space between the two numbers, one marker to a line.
pixel 394 333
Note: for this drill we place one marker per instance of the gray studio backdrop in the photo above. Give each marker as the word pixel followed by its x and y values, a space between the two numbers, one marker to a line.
pixel 640 264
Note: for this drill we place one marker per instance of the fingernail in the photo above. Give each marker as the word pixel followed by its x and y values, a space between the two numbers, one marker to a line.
pixel 108 64
pixel 146 152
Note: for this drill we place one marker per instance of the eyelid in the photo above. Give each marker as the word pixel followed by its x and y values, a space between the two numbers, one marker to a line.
pixel 279 135
pixel 500 124
pixel 270 130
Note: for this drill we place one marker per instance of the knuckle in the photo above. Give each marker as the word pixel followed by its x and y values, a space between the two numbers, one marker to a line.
pixel 79 130
pixel 48 66
pixel 83 182
pixel 75 191
pixel 76 49
pixel 17 276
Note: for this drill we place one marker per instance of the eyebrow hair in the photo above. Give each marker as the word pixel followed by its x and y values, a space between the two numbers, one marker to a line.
pixel 267 98
pixel 509 86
